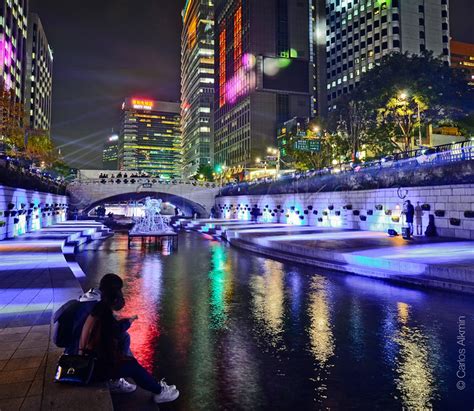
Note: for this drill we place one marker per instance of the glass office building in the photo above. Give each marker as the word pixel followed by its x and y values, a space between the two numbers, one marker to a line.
pixel 197 84
pixel 356 34
pixel 150 139
pixel 39 76
pixel 264 75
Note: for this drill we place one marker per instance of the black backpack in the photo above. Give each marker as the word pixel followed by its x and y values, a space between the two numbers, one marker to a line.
pixel 64 322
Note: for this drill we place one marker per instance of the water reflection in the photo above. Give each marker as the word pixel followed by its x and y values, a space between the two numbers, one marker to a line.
pixel 217 286
pixel 268 299
pixel 321 337
pixel 415 380
pixel 143 292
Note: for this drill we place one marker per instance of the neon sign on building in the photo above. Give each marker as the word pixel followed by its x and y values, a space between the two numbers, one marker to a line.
pixel 142 104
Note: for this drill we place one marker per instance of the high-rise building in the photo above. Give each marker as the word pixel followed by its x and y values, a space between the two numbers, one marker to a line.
pixel 13 35
pixel 356 34
pixel 462 58
pixel 110 153
pixel 197 84
pixel 264 75
pixel 39 76
pixel 150 139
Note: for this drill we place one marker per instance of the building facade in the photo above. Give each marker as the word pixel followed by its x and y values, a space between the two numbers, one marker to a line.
pixel 110 153
pixel 462 58
pixel 358 33
pixel 39 76
pixel 264 75
pixel 150 139
pixel 197 84
pixel 13 36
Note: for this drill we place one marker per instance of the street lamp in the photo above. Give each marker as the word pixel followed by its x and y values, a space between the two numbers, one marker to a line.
pixel 276 152
pixel 403 95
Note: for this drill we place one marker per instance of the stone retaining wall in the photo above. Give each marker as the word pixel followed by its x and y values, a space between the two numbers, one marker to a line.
pixel 23 211
pixel 374 210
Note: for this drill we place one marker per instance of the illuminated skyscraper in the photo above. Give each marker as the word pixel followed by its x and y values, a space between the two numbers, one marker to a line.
pixel 150 139
pixel 39 76
pixel 356 34
pixel 110 153
pixel 13 35
pixel 197 84
pixel 264 75
pixel 462 58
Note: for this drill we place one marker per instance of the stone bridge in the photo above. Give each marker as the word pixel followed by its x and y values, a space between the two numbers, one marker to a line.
pixel 190 196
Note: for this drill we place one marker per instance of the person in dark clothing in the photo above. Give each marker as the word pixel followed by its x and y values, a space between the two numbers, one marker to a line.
pixel 409 215
pixel 88 301
pixel 100 338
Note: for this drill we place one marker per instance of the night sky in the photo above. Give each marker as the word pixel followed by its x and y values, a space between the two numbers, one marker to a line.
pixel 105 50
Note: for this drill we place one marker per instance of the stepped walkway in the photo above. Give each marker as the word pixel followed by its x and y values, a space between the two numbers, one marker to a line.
pixel 35 279
pixel 443 263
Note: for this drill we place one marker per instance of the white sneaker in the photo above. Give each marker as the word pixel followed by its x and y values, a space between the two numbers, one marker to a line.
pixel 168 393
pixel 163 384
pixel 121 386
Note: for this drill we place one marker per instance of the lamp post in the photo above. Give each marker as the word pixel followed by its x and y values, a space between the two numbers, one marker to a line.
pixel 276 152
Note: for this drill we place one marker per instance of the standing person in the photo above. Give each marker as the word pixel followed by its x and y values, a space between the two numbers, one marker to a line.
pixel 409 214
pixel 100 338
pixel 419 219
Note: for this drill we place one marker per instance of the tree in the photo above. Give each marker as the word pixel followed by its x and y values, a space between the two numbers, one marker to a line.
pixel 350 121
pixel 405 112
pixel 206 171
pixel 12 122
pixel 373 114
pixel 40 148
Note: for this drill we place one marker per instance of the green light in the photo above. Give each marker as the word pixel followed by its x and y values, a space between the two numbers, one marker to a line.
pixel 218 169
pixel 217 278
pixel 293 53
pixel 381 3
pixel 283 62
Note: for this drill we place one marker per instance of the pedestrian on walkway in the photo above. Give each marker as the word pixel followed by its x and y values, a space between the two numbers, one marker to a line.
pixel 409 215
pixel 101 338
pixel 419 219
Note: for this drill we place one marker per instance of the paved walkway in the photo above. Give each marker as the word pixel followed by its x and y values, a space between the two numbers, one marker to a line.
pixel 35 279
pixel 438 262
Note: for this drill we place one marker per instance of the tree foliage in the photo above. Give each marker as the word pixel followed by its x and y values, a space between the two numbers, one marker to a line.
pixel 373 114
pixel 20 141
pixel 206 171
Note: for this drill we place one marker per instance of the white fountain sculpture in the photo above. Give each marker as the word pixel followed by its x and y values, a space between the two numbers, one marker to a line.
pixel 152 221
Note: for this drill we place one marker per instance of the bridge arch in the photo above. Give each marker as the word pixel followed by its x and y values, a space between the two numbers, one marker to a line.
pixel 189 207
pixel 190 197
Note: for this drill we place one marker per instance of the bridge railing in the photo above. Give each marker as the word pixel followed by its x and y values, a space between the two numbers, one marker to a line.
pixel 145 182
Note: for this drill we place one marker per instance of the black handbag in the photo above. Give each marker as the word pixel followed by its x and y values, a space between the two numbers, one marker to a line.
pixel 75 369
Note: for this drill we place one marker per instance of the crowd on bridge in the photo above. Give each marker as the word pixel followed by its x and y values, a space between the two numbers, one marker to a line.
pixel 125 175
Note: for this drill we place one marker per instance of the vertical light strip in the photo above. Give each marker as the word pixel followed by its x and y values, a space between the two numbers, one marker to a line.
pixel 222 65
pixel 238 39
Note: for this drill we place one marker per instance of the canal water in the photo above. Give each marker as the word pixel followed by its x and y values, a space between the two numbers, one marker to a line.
pixel 238 331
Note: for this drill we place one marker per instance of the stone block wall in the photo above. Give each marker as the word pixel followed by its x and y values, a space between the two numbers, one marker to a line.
pixel 374 210
pixel 23 211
